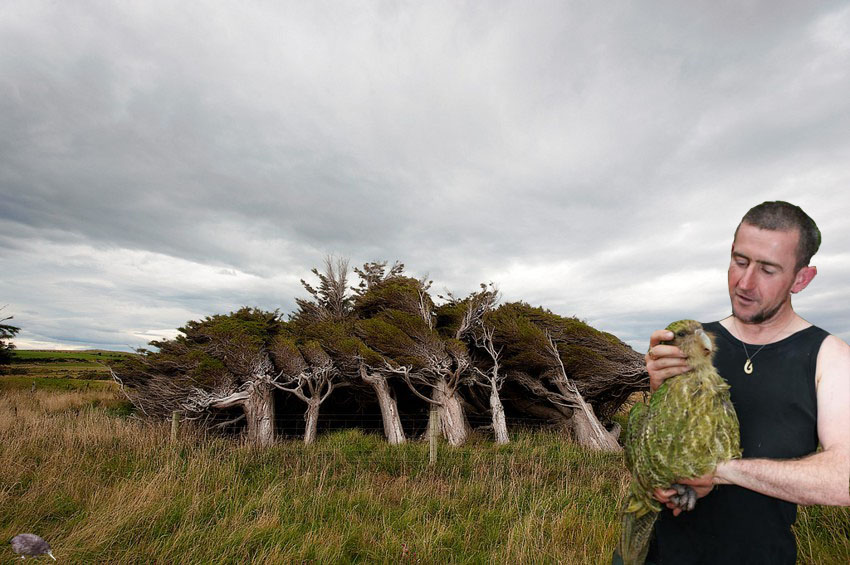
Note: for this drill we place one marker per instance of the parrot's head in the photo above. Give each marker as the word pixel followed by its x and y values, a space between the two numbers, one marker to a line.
pixel 695 342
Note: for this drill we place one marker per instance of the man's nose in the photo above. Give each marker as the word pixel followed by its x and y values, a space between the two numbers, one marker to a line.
pixel 747 280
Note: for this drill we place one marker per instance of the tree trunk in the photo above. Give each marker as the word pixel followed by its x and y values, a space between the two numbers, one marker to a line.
pixel 500 427
pixel 588 430
pixel 312 421
pixel 590 433
pixel 453 422
pixel 259 414
pixel 389 408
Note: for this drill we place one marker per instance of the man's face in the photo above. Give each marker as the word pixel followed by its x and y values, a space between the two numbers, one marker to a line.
pixel 761 272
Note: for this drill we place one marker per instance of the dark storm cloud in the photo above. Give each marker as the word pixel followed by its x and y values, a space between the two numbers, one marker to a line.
pixel 202 157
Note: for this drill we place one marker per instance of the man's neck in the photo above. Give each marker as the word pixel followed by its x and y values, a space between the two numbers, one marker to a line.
pixel 777 328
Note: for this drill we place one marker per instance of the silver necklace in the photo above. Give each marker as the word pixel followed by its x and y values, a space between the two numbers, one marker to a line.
pixel 748 365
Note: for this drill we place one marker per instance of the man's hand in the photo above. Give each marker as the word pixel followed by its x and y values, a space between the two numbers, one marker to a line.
pixel 701 485
pixel 663 361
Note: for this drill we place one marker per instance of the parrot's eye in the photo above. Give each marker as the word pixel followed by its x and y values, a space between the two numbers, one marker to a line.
pixel 681 333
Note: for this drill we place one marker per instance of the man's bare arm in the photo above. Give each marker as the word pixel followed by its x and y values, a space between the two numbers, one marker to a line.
pixel 820 478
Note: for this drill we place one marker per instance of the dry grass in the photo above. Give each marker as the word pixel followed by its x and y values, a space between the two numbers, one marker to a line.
pixel 104 488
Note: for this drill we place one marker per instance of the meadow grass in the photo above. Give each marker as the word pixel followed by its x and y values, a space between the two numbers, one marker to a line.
pixel 61 356
pixel 102 487
pixel 18 382
pixel 61 364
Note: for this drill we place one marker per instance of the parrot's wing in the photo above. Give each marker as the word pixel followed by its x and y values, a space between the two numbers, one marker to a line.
pixel 634 430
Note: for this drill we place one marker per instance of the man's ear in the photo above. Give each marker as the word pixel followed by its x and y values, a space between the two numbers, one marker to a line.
pixel 803 278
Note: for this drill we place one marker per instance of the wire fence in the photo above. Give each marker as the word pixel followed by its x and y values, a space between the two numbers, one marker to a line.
pixel 292 424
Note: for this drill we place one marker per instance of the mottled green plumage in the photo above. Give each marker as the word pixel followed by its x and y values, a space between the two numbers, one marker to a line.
pixel 687 428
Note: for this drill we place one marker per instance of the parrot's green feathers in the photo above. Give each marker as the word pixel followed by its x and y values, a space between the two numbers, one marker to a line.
pixel 682 325
pixel 686 429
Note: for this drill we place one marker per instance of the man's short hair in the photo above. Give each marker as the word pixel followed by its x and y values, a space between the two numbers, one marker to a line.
pixel 783 216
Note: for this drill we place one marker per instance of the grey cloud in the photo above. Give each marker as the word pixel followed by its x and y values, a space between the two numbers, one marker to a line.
pixel 460 139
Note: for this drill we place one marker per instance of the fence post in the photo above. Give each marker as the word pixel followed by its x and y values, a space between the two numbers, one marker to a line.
pixel 433 433
pixel 175 420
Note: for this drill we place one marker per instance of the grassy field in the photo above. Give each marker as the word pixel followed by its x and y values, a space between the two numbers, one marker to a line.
pixel 102 487
pixel 15 382
pixel 84 365
pixel 63 356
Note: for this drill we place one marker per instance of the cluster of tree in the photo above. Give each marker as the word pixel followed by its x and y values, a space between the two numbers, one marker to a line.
pixel 386 344
pixel 7 332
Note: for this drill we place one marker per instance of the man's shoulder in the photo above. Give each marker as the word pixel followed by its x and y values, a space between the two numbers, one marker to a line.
pixel 833 361
pixel 834 350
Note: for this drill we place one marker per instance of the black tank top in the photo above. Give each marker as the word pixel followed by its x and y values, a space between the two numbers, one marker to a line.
pixel 777 410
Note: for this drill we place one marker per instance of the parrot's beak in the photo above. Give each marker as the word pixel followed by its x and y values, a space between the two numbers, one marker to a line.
pixel 706 341
pixel 50 553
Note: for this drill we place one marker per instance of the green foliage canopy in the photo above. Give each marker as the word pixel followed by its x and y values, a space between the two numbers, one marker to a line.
pixel 7 332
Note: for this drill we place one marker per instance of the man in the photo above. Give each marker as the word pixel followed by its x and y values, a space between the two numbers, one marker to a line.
pixel 790 384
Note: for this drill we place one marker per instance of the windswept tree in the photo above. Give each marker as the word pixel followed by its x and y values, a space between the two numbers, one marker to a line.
pixel 397 319
pixel 586 425
pixel 366 371
pixel 217 363
pixel 331 300
pixel 7 333
pixel 389 343
pixel 463 319
pixel 562 370
pixel 308 373
pixel 376 272
pixel 606 370
pixel 493 378
pixel 330 320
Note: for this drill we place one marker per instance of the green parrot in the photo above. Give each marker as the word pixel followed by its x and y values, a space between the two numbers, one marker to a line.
pixel 688 427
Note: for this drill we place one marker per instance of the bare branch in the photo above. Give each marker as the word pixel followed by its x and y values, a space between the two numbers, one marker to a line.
pixel 123 390
pixel 229 422
pixel 477 305
pixel 409 376
pixel 424 309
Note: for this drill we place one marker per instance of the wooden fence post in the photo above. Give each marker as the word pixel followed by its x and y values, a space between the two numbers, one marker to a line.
pixel 175 420
pixel 433 434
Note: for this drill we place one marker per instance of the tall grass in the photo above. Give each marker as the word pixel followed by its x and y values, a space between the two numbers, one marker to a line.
pixel 16 382
pixel 103 488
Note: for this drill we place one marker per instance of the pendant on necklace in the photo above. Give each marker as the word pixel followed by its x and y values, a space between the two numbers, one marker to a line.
pixel 748 367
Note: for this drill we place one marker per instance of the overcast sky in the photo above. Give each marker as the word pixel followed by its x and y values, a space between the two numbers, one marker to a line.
pixel 165 161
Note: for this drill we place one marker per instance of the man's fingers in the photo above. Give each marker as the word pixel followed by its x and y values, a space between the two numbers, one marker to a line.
pixel 667 363
pixel 663 495
pixel 657 352
pixel 657 377
pixel 658 336
pixel 663 361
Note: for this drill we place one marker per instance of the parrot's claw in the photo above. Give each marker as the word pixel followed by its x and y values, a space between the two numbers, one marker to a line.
pixel 685 497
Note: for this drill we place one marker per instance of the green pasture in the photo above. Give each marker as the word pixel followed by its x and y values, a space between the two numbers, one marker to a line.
pixel 103 487
pixel 68 365
pixel 63 356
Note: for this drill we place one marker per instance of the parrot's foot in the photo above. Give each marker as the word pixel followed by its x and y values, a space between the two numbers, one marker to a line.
pixel 685 497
